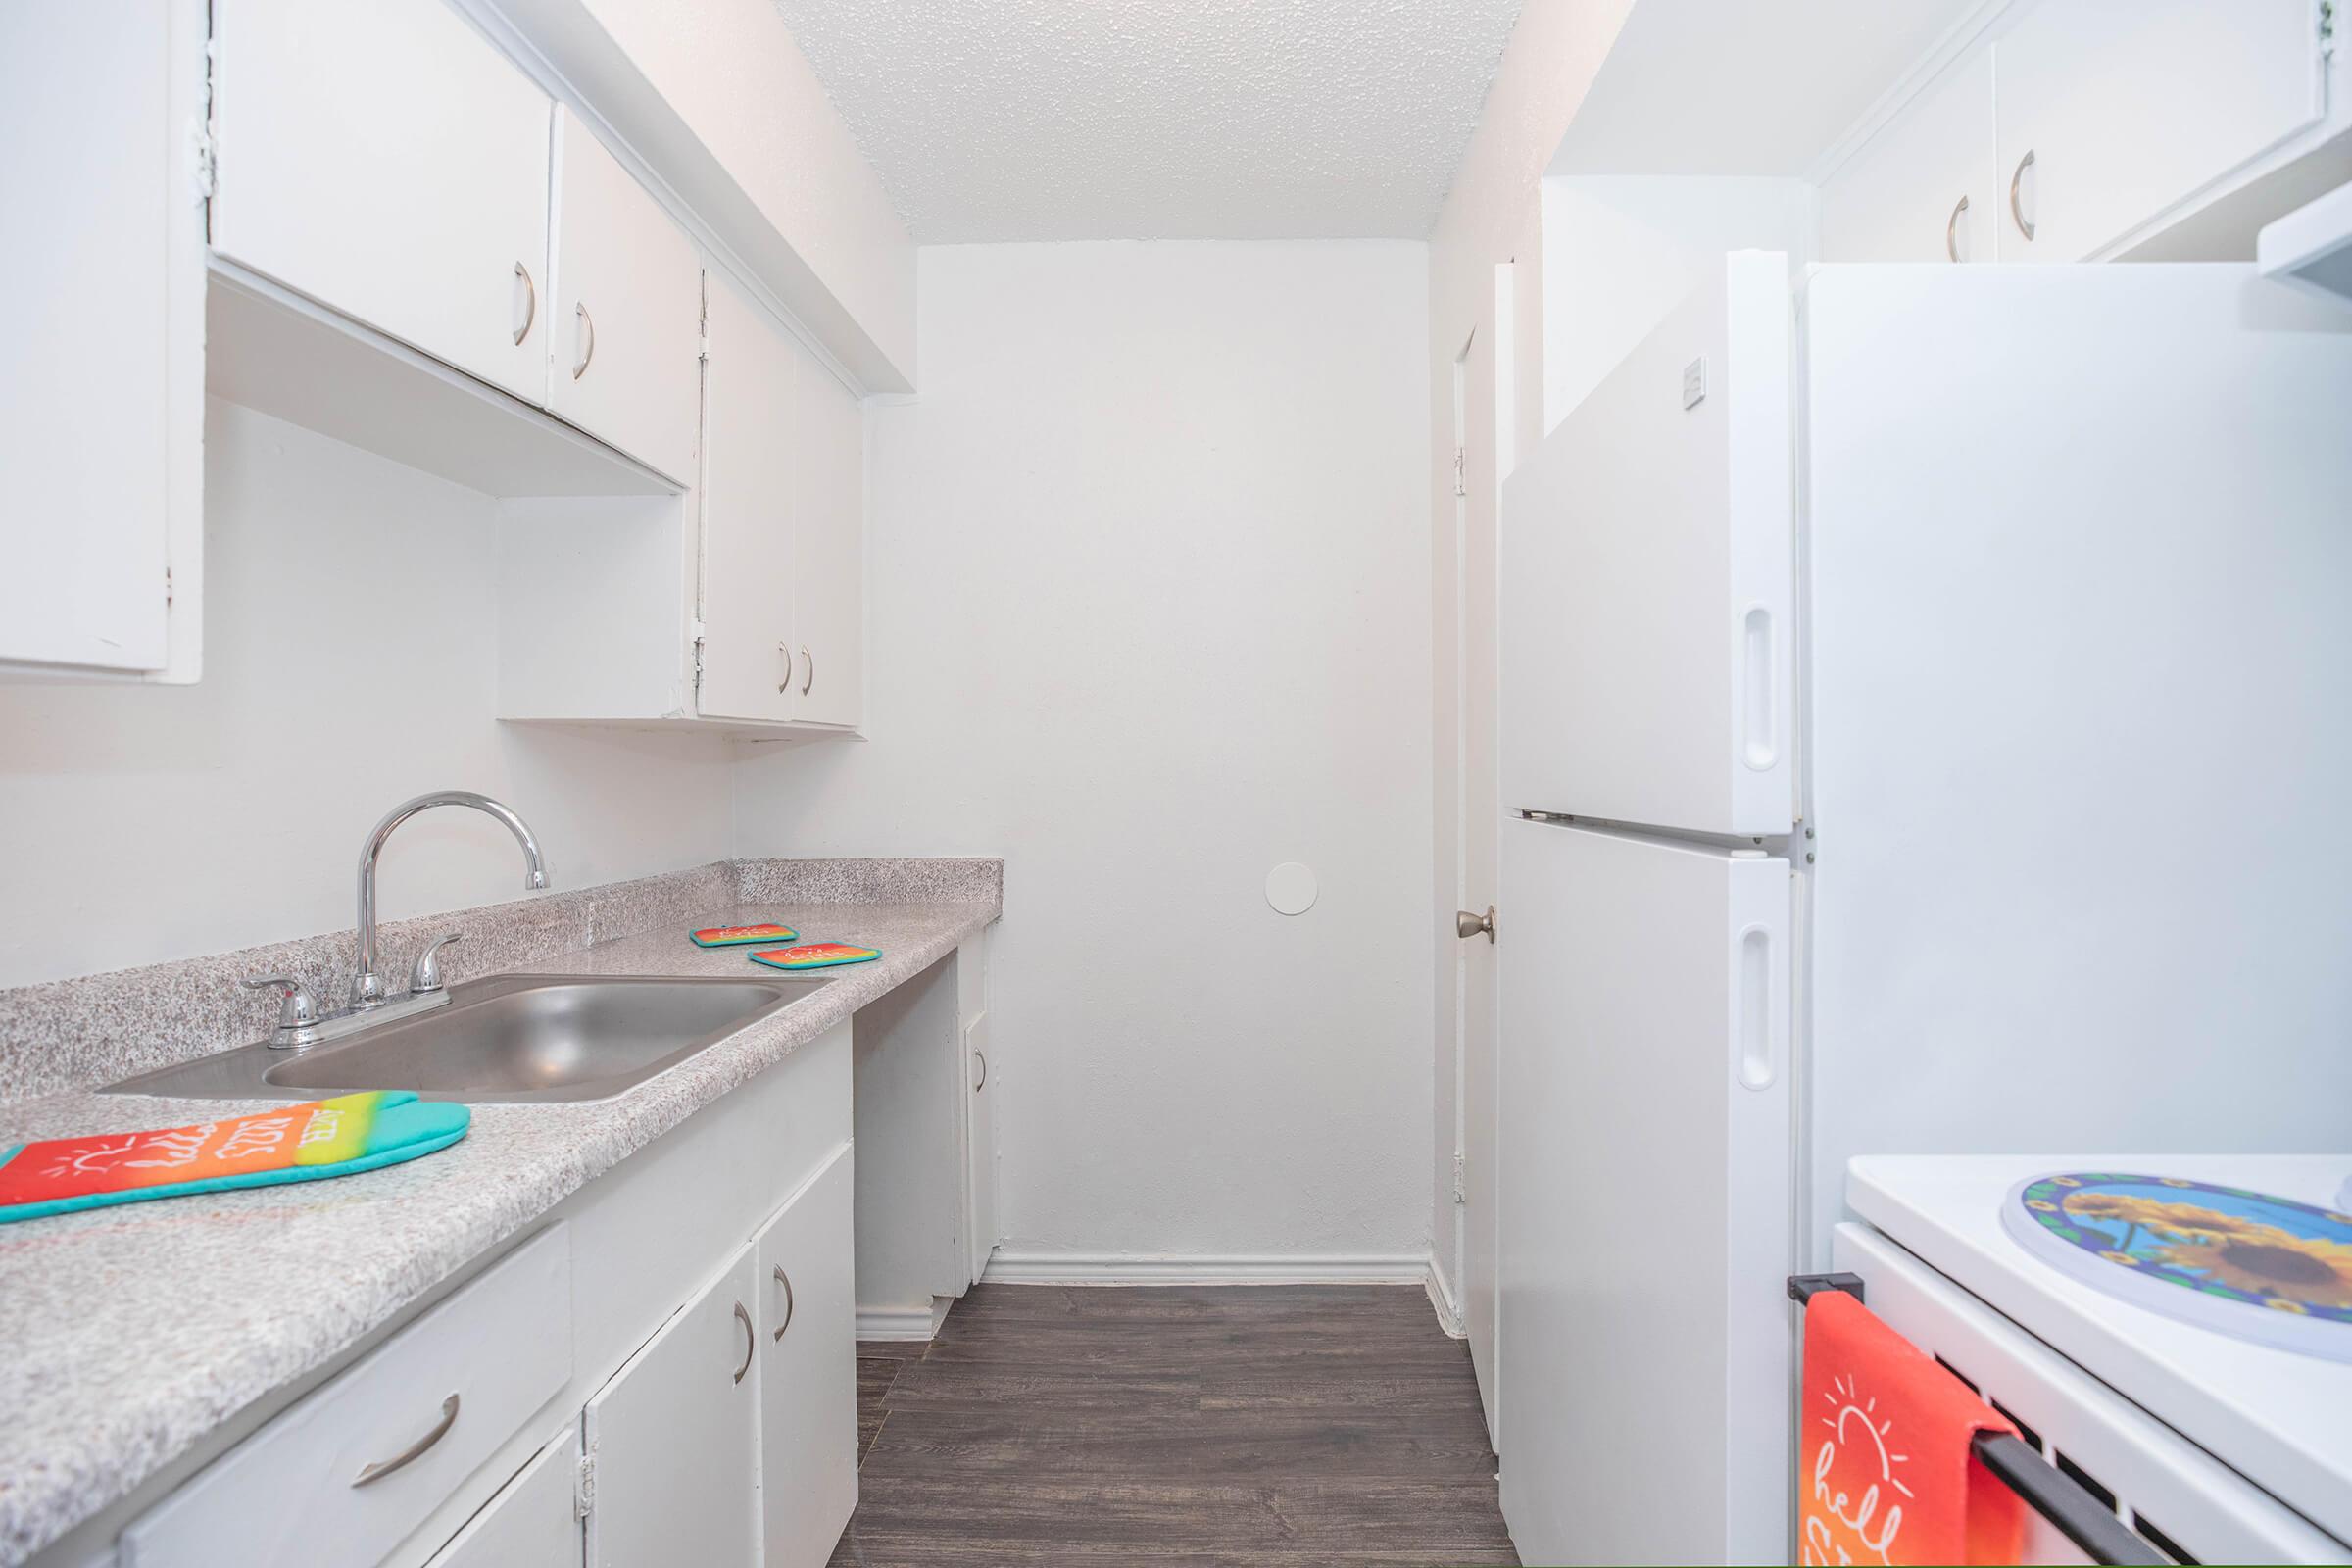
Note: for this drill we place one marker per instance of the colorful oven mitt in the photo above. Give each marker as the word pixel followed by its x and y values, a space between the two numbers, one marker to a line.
pixel 303 1143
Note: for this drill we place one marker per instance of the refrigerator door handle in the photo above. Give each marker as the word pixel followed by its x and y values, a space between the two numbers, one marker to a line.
pixel 1759 692
pixel 1757 1040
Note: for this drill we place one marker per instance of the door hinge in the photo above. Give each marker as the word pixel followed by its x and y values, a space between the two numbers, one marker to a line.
pixel 1461 482
pixel 702 353
pixel 697 666
pixel 1462 1183
pixel 583 1496
pixel 204 160
pixel 2327 28
pixel 167 587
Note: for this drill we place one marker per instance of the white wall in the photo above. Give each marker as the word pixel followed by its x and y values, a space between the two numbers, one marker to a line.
pixel 1620 252
pixel 1491 218
pixel 1148 614
pixel 351 661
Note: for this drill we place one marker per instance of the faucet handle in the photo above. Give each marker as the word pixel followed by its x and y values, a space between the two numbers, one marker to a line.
pixel 297 1011
pixel 424 976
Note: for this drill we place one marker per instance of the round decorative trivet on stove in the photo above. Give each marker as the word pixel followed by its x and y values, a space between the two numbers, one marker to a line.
pixel 2244 1264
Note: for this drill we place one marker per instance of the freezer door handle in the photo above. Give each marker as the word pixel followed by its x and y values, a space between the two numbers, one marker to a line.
pixel 1760 695
pixel 1752 1011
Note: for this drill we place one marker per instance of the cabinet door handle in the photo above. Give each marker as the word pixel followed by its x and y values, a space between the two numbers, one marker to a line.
pixel 807 670
pixel 530 305
pixel 415 1451
pixel 2025 225
pixel 784 1280
pixel 785 684
pixel 589 353
pixel 1951 230
pixel 750 1340
pixel 983 1083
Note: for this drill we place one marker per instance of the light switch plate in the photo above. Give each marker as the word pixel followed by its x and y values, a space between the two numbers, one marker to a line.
pixel 1695 383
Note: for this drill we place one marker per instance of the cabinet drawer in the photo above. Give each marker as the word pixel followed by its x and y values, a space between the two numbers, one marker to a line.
pixel 467 1375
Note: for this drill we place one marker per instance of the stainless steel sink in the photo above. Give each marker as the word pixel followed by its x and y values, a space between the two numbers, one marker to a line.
pixel 508 1037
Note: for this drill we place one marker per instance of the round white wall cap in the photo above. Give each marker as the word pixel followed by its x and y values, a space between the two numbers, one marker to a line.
pixel 1291 888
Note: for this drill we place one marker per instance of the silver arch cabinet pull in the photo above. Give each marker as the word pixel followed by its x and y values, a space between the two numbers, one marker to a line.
pixel 785 684
pixel 785 1280
pixel 750 1340
pixel 807 670
pixel 589 352
pixel 416 1450
pixel 2025 225
pixel 530 311
pixel 1951 230
pixel 982 1057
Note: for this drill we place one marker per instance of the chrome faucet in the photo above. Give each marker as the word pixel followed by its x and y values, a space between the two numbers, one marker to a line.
pixel 366 986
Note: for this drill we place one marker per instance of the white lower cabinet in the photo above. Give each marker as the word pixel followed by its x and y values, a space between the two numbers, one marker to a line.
pixel 809 1370
pixel 533 1522
pixel 673 1439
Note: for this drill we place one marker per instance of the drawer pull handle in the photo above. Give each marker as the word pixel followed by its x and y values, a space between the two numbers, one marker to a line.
pixel 2025 225
pixel 751 1341
pixel 415 1451
pixel 784 1280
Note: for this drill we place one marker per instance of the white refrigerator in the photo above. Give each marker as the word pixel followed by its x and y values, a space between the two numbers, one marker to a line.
pixel 1926 727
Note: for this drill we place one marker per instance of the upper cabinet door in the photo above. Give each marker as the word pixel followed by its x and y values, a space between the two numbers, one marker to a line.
pixel 2113 110
pixel 809 1370
pixel 1923 188
pixel 382 157
pixel 750 386
pixel 626 333
pixel 829 533
pixel 1647 565
pixel 101 330
pixel 675 1435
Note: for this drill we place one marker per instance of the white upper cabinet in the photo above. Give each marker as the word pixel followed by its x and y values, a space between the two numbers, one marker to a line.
pixel 624 336
pixel 830 551
pixel 382 157
pixel 2111 111
pixel 782 525
pixel 102 336
pixel 1922 189
pixel 749 630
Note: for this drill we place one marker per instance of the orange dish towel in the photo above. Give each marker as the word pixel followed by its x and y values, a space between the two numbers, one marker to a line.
pixel 1886 1471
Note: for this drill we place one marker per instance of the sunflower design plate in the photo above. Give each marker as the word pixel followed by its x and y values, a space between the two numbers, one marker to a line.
pixel 2245 1263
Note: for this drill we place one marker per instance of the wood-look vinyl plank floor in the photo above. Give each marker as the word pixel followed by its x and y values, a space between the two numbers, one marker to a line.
pixel 1207 1427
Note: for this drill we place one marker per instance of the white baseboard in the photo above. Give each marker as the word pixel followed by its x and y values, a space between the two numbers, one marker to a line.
pixel 904 1322
pixel 1442 1296
pixel 1010 1267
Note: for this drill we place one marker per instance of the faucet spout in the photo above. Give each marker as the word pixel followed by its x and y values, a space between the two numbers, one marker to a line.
pixel 366 986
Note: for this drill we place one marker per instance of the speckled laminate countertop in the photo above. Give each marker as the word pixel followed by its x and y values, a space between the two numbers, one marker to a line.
pixel 131 1332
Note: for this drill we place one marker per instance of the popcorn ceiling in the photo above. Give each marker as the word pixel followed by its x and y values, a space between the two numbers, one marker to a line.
pixel 1049 120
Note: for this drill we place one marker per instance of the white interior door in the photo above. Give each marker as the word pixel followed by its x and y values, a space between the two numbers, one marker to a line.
pixel 1476 370
pixel 748 500
pixel 382 156
pixel 1647 568
pixel 626 293
pixel 675 1438
pixel 1645 1152
pixel 808 1369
